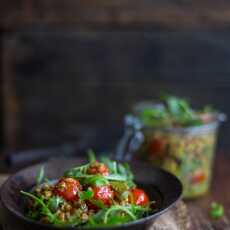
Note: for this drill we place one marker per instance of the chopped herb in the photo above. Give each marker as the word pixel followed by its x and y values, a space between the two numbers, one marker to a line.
pixel 91 156
pixel 216 211
pixel 86 195
pixel 44 208
pixel 54 202
pixel 96 180
pixel 40 176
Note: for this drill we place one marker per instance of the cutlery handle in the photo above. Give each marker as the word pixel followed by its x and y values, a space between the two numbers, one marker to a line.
pixel 131 139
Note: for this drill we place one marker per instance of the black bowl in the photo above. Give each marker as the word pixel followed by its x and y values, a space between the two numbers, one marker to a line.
pixel 159 184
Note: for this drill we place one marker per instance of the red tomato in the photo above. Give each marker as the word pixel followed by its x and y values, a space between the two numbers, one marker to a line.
pixel 98 168
pixel 156 146
pixel 103 193
pixel 67 188
pixel 198 177
pixel 206 117
pixel 139 197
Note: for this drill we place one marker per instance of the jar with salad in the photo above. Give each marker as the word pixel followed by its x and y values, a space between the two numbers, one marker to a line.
pixel 172 135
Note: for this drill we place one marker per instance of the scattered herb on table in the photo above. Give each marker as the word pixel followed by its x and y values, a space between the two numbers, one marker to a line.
pixel 216 210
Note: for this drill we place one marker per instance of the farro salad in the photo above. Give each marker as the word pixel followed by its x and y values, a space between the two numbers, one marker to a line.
pixel 97 194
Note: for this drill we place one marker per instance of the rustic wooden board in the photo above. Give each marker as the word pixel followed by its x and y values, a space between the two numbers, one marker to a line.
pixel 167 14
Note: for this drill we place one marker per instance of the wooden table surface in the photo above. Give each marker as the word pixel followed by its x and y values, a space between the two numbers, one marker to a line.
pixel 220 192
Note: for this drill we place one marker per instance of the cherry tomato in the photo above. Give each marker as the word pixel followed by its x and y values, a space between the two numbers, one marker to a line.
pixel 98 168
pixel 139 197
pixel 68 188
pixel 156 147
pixel 198 177
pixel 206 117
pixel 103 193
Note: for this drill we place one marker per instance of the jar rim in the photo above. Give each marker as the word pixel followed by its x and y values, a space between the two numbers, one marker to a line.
pixel 203 128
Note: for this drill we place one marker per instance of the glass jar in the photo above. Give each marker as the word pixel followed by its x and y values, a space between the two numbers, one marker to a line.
pixel 186 152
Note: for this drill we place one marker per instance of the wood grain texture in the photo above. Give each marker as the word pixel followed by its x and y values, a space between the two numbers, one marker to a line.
pixel 167 14
pixel 63 83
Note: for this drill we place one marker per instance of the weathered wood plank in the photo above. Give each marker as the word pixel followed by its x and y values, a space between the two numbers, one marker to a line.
pixel 167 14
pixel 65 81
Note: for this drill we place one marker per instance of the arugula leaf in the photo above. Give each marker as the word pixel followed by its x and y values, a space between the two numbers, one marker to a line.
pixel 96 219
pixel 118 219
pixel 98 203
pixel 173 111
pixel 155 116
pixel 40 175
pixel 174 107
pixel 140 211
pixel 216 211
pixel 112 165
pixel 54 202
pixel 119 186
pixel 44 208
pixel 129 175
pixel 116 177
pixel 116 214
pixel 78 175
pixel 119 172
pixel 128 171
pixel 86 195
pixel 96 180
pixel 77 171
pixel 118 208
pixel 91 156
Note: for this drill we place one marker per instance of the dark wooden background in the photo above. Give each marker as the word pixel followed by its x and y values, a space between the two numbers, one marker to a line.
pixel 72 69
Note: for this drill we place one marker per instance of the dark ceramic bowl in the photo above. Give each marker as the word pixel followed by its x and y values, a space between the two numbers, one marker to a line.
pixel 160 185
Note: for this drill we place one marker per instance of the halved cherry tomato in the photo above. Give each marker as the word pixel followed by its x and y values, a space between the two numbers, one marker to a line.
pixel 68 189
pixel 103 193
pixel 139 197
pixel 198 177
pixel 98 168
